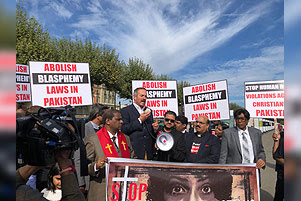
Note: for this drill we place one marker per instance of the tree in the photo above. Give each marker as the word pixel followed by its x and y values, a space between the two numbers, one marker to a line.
pixel 8 31
pixel 135 70
pixel 180 86
pixel 32 42
pixel 234 106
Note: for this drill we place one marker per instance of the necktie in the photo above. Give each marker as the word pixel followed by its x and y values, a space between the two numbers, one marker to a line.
pixel 114 141
pixel 245 146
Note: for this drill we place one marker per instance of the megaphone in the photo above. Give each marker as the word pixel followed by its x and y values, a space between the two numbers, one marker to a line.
pixel 165 141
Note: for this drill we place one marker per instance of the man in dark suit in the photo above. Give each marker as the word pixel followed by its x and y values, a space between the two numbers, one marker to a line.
pixel 242 144
pixel 138 124
pixel 202 146
pixel 107 142
pixel 181 124
pixel 177 152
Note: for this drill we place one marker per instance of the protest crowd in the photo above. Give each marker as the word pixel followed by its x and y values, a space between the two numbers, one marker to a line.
pixel 132 133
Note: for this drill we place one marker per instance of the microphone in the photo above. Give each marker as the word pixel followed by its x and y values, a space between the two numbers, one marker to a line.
pixel 147 110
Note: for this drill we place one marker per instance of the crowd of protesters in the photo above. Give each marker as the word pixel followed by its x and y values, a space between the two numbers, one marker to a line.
pixel 132 133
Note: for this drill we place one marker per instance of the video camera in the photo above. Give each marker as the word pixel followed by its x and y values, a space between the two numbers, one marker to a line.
pixel 40 135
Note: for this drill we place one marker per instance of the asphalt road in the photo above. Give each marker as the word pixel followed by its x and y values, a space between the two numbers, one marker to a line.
pixel 268 176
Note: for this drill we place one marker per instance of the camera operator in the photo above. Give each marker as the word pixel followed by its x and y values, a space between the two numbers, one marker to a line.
pixel 70 189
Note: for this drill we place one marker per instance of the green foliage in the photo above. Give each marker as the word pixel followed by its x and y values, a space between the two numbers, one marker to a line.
pixel 234 106
pixel 135 70
pixel 180 86
pixel 162 77
pixel 105 68
pixel 7 30
pixel 32 42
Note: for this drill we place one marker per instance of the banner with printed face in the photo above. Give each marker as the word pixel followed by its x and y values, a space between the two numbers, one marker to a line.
pixel 22 83
pixel 129 179
pixel 161 95
pixel 55 84
pixel 265 99
pixel 210 100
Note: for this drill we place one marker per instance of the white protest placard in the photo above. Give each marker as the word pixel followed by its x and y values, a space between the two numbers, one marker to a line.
pixel 265 99
pixel 55 84
pixel 161 95
pixel 210 100
pixel 22 83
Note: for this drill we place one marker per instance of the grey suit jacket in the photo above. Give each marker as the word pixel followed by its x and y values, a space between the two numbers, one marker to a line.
pixel 231 150
pixel 97 190
pixel 83 180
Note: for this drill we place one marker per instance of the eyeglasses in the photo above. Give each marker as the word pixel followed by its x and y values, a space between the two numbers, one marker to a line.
pixel 171 120
pixel 241 119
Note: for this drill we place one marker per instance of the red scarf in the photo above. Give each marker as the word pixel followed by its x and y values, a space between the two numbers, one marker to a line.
pixel 108 146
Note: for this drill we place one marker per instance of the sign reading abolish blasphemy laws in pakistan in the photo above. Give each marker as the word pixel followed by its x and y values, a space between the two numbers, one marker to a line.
pixel 22 83
pixel 55 84
pixel 161 95
pixel 265 98
pixel 210 100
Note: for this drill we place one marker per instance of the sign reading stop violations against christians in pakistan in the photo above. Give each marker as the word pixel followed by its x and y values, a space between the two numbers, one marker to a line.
pixel 22 83
pixel 265 99
pixel 56 84
pixel 210 100
pixel 161 95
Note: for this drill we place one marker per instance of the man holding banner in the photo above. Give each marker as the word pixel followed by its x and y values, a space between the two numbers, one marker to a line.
pixel 138 124
pixel 107 142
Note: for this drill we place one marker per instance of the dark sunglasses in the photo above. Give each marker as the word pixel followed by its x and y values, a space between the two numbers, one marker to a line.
pixel 171 120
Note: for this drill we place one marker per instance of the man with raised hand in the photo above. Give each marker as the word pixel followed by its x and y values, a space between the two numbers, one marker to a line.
pixel 138 124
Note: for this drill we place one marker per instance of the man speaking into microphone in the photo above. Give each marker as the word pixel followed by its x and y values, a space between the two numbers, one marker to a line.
pixel 138 124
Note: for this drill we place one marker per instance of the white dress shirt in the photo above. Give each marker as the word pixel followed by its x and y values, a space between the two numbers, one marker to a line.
pixel 140 110
pixel 250 145
pixel 116 140
pixel 95 126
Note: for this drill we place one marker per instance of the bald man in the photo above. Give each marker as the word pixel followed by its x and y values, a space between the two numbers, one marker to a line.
pixel 202 146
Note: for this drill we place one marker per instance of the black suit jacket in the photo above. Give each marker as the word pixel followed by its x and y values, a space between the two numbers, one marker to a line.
pixel 209 150
pixel 140 134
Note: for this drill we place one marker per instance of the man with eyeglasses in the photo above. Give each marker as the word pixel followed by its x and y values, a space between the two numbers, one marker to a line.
pixel 202 146
pixel 242 144
pixel 178 151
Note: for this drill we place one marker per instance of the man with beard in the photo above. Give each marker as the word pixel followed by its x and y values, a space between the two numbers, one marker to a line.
pixel 138 124
pixel 202 146
pixel 177 152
